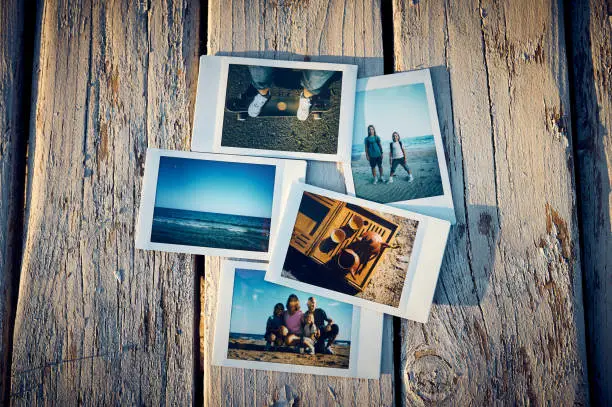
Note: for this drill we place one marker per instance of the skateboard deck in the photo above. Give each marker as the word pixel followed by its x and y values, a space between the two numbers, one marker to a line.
pixel 278 106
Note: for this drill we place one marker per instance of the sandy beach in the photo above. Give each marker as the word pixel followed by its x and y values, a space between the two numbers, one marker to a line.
pixel 388 281
pixel 423 163
pixel 252 349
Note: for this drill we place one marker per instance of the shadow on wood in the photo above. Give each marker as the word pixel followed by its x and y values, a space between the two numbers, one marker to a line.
pixel 481 261
pixel 591 41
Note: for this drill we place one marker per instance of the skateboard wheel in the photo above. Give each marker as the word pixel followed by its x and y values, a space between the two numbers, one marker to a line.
pixel 241 116
pixel 316 116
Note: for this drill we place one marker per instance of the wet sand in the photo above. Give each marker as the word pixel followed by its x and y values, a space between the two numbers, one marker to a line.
pixel 251 349
pixel 424 166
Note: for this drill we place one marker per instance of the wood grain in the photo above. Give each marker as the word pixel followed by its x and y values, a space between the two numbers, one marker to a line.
pixel 507 324
pixel 99 322
pixel 327 31
pixel 592 114
pixel 14 82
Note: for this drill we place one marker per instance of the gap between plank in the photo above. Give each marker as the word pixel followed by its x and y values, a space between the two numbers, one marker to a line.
pixel 388 41
pixel 568 23
pixel 198 367
pixel 199 261
pixel 30 43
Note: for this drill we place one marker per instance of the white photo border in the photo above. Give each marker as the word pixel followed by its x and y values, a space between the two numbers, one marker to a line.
pixel 210 107
pixel 286 172
pixel 366 335
pixel 440 206
pixel 423 268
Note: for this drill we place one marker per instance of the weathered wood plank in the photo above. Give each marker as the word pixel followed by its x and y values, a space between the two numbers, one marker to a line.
pixel 328 31
pixel 99 322
pixel 507 326
pixel 14 83
pixel 592 81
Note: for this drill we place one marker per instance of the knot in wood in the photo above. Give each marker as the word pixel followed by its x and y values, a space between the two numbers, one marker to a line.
pixel 431 377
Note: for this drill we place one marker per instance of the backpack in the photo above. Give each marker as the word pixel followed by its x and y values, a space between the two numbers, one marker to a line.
pixel 391 146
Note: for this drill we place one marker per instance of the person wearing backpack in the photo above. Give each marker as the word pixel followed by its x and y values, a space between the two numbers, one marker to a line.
pixel 374 152
pixel 397 156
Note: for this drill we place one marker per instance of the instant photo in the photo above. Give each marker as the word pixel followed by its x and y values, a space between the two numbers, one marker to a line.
pixel 262 325
pixel 273 108
pixel 360 252
pixel 212 204
pixel 397 155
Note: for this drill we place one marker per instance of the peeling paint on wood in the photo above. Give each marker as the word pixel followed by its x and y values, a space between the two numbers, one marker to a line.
pixel 99 322
pixel 507 319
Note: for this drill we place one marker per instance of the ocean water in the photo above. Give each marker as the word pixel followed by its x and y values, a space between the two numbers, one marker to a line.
pixel 413 143
pixel 206 229
pixel 257 337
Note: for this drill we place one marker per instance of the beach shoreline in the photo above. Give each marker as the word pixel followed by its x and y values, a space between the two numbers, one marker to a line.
pixel 206 229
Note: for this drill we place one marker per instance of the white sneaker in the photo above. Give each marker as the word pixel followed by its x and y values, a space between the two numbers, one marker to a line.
pixel 410 177
pixel 382 180
pixel 304 108
pixel 257 104
pixel 375 181
pixel 390 180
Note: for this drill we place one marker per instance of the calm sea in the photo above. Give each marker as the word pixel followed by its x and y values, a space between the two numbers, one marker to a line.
pixel 206 229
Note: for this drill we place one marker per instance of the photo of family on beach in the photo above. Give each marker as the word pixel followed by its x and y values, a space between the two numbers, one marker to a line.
pixel 272 323
pixel 286 109
pixel 202 203
pixel 350 249
pixel 394 156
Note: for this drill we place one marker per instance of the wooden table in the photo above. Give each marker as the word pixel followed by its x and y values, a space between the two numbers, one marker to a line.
pixel 524 96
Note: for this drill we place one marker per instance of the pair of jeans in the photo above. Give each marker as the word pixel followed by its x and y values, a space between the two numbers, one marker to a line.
pixel 312 80
pixel 326 336
pixel 398 161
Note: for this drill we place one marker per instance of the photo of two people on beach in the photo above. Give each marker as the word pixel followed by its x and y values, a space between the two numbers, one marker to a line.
pixel 394 155
pixel 275 324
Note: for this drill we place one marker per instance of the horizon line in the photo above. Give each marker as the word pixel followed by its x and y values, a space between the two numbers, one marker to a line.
pixel 215 213
pixel 424 135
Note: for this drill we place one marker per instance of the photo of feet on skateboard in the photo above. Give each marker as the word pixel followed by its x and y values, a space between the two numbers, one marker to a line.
pixel 284 109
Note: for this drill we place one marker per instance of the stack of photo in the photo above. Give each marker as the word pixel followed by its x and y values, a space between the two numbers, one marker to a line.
pixel 317 267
